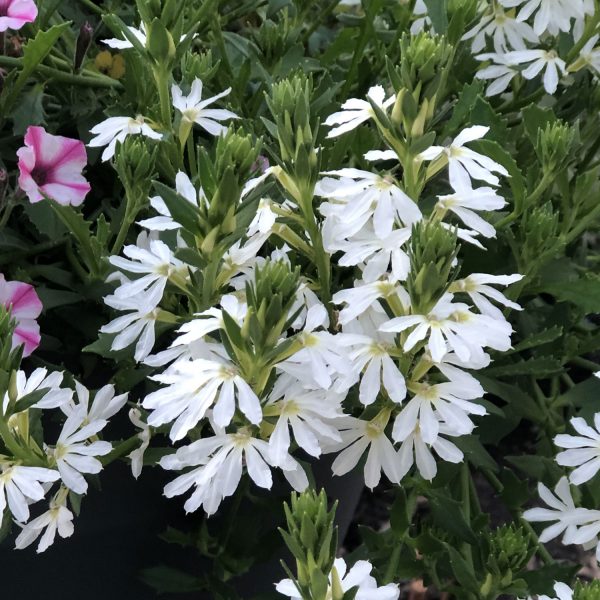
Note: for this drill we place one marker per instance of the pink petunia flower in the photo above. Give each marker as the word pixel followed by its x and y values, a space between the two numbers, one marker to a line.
pixel 51 167
pixel 15 13
pixel 25 307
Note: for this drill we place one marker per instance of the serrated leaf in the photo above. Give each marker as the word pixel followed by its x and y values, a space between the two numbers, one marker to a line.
pixel 462 571
pixel 583 292
pixel 447 514
pixel 534 366
pixel 538 339
pixel 34 52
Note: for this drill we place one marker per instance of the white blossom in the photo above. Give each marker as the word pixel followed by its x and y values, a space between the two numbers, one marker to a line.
pixel 195 386
pixel 39 379
pixel 582 451
pixel 500 73
pixel 116 129
pixel 104 406
pixel 355 111
pixel 540 60
pixel 73 455
pixel 58 518
pixel 552 16
pixel 465 163
pixel 194 110
pixel 358 576
pixel 20 485
pixel 137 455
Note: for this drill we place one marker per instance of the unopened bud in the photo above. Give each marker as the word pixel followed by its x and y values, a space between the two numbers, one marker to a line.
pixel 84 40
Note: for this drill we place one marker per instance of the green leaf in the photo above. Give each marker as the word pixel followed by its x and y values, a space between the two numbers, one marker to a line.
pixel 540 468
pixel 29 400
pixel 462 570
pixel 541 581
pixel 519 401
pixel 534 366
pixel 583 292
pixel 34 52
pixel 447 514
pixel 53 298
pixel 538 339
pixel 400 514
pixel 181 210
pixel 462 108
pixel 475 452
pixel 515 489
pixel 30 110
pixel 437 11
pixel 535 119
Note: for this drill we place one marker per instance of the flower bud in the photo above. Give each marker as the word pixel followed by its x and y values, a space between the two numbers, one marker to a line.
pixel 84 39
pixel 587 591
pixel 554 144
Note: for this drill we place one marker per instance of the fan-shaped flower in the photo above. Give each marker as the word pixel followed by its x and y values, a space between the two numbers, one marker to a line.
pixel 583 450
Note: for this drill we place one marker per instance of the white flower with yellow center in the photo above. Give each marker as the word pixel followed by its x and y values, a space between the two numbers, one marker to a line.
pixel 581 451
pixel 540 60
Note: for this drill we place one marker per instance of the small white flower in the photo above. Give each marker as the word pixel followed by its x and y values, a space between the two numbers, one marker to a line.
pixel 358 436
pixel 465 201
pixel 21 485
pixel 164 222
pixel 219 462
pixel 415 450
pixel 583 451
pixel 562 510
pixel 358 299
pixel 358 576
pixel 478 287
pixel 73 455
pixel 552 16
pixel 308 413
pixel 195 386
pixel 540 60
pixel 501 72
pixel 137 456
pixel 264 219
pixel 562 590
pixel 355 111
pixel 57 518
pixel 453 325
pixel 506 32
pixel 138 324
pixel 39 379
pixel 153 266
pixel 359 196
pixel 380 371
pixel 104 406
pixel 140 34
pixel 116 129
pixel 464 163
pixel 590 54
pixel 193 108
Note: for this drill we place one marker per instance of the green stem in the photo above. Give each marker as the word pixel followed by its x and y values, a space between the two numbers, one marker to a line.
pixel 392 567
pixel 322 16
pixel 542 186
pixel 15 448
pixel 465 488
pixel 32 251
pixel 583 225
pixel 513 105
pixel 99 81
pixel 191 152
pixel 162 83
pixel 585 364
pixel 121 450
pixel 91 6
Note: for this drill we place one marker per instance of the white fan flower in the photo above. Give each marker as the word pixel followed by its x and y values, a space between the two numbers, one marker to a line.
pixel 116 129
pixel 465 164
pixel 219 462
pixel 360 196
pixel 73 455
pixel 358 576
pixel 478 287
pixel 21 485
pixel 194 110
pixel 195 386
pixel 552 16
pixel 568 517
pixel 505 31
pixel 140 34
pixel 137 456
pixel 355 111
pixel 164 222
pixel 582 451
pixel 104 406
pixel 540 60
pixel 358 437
pixel 39 379
pixel 465 201
pixel 415 450
pixel 501 72
pixel 308 413
pixel 58 518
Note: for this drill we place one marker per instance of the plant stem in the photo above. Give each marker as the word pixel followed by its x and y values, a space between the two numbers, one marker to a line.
pixel 322 16
pixel 465 487
pixel 15 448
pixel 91 6
pixel 121 450
pixel 99 81
pixel 393 564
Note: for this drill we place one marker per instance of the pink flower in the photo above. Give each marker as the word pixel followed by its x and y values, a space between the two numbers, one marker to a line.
pixel 51 166
pixel 25 307
pixel 15 13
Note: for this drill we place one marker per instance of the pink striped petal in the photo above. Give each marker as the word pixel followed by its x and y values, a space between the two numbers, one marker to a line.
pixel 16 13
